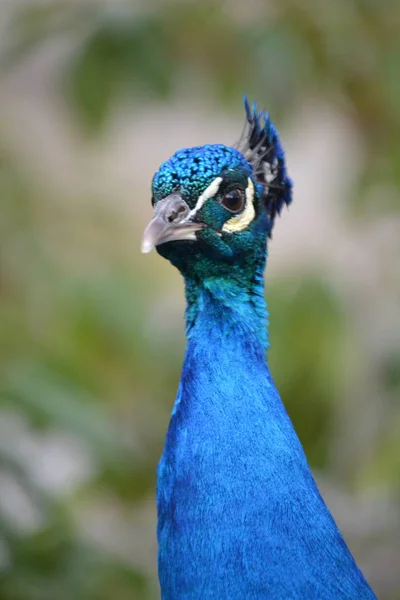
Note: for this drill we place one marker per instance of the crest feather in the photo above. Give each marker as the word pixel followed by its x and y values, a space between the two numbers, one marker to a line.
pixel 261 147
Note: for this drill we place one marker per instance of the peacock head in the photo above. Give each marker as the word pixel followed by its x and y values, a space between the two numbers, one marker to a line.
pixel 215 206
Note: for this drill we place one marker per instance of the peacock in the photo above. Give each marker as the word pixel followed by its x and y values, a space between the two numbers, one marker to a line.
pixel 240 516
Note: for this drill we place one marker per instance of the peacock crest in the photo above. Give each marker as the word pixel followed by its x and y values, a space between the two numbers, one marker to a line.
pixel 261 147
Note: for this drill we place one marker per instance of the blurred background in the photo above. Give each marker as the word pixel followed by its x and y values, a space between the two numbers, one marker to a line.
pixel 94 94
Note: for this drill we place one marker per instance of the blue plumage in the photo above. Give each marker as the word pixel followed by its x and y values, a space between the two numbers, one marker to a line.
pixel 240 516
pixel 193 169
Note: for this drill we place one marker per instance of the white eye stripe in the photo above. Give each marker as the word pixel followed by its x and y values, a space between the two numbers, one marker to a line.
pixel 240 222
pixel 208 193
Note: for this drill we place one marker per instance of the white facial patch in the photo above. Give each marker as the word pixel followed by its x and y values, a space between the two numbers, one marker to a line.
pixel 208 193
pixel 241 221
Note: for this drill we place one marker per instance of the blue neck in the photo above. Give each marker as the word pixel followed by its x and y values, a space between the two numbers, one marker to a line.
pixel 231 307
pixel 239 514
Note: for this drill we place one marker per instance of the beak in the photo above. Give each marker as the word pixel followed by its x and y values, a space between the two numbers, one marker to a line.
pixel 171 222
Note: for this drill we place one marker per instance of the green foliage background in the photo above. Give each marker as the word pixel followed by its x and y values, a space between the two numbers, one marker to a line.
pixel 86 359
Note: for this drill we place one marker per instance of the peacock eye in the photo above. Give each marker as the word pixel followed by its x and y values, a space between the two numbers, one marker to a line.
pixel 234 200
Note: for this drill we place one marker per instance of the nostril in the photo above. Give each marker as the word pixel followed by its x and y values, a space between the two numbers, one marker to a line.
pixel 176 213
pixel 172 209
pixel 171 217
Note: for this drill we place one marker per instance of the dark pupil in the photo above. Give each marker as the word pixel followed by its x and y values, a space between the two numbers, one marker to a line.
pixel 233 201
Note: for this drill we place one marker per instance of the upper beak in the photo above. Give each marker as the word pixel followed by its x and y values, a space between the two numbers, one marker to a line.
pixel 171 222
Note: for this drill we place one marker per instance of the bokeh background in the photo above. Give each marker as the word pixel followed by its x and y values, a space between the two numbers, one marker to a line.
pixel 94 94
